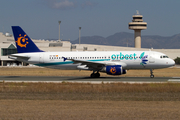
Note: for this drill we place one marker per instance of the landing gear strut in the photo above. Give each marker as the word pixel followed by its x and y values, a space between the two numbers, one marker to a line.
pixel 151 76
pixel 95 75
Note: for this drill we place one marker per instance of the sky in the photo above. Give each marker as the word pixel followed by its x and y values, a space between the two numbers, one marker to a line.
pixel 39 18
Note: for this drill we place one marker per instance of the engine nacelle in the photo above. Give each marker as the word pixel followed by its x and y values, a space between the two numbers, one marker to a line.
pixel 114 70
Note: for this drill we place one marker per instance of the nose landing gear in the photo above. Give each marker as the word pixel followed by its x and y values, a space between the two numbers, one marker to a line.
pixel 151 71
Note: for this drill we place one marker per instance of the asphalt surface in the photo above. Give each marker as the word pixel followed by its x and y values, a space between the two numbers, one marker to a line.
pixel 88 79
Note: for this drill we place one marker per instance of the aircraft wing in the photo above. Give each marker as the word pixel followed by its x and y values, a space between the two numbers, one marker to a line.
pixel 97 65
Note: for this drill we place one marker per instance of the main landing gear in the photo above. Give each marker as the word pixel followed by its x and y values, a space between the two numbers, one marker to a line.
pixel 151 71
pixel 95 75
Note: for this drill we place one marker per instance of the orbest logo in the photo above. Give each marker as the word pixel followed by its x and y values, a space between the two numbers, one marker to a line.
pixel 127 56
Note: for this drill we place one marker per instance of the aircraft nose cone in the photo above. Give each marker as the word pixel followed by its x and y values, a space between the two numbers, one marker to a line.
pixel 172 63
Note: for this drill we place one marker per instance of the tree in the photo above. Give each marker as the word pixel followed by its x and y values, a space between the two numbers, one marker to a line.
pixel 177 60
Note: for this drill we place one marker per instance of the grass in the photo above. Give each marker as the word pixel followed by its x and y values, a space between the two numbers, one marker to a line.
pixel 88 110
pixel 85 91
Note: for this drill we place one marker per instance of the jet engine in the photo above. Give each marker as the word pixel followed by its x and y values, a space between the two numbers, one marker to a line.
pixel 114 70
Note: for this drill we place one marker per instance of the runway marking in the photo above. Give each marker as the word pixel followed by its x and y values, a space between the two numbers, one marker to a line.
pixel 174 80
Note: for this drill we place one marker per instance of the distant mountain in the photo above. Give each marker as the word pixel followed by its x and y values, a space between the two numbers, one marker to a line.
pixel 127 39
pixel 98 40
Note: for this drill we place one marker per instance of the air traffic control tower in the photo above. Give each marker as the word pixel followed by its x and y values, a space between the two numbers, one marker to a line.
pixel 137 25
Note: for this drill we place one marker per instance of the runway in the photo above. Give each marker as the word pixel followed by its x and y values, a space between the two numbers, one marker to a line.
pixel 57 79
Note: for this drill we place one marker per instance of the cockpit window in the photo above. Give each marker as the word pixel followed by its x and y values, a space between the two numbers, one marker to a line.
pixel 164 56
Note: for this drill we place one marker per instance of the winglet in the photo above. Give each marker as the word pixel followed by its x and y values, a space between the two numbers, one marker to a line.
pixel 23 43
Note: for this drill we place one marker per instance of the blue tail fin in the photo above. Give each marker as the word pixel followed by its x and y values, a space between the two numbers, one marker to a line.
pixel 23 43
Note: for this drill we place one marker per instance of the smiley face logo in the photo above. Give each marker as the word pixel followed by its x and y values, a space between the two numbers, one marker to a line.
pixel 113 70
pixel 22 41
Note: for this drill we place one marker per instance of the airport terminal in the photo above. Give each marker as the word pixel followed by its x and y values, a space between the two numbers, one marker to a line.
pixel 8 44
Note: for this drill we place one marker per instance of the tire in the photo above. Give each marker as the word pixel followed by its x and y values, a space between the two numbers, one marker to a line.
pixel 151 76
pixel 93 75
pixel 97 75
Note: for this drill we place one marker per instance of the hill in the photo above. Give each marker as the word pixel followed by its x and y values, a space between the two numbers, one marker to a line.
pixel 127 39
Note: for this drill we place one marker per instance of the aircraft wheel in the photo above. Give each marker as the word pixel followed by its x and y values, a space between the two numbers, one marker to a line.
pixel 151 76
pixel 97 75
pixel 93 75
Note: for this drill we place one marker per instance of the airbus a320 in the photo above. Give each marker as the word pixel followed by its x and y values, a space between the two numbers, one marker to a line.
pixel 110 62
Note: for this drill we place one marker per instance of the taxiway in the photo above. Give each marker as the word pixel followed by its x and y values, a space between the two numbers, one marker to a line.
pixel 55 79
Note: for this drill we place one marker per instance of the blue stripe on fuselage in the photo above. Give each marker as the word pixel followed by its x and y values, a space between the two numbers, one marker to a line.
pixel 66 62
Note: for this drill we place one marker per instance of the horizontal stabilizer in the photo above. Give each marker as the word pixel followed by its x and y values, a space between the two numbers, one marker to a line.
pixel 18 56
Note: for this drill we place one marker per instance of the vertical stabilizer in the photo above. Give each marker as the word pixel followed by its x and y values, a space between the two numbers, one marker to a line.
pixel 23 43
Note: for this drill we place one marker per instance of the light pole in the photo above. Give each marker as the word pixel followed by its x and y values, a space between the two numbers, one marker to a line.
pixel 59 29
pixel 79 35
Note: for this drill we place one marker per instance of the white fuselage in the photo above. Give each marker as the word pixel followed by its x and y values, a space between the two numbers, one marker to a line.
pixel 127 59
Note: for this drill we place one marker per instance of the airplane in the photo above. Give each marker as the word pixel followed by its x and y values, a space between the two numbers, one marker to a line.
pixel 110 62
